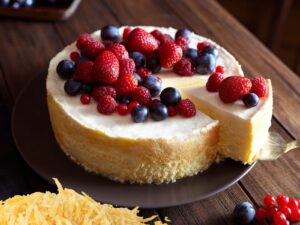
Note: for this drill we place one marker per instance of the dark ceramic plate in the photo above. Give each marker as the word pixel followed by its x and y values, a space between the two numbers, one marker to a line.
pixel 35 140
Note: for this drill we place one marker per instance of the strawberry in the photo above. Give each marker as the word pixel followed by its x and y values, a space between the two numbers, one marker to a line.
pixel 259 86
pixel 184 67
pixel 125 84
pixel 106 105
pixel 100 91
pixel 119 51
pixel 84 73
pixel 182 42
pixel 106 68
pixel 186 108
pixel 233 88
pixel 91 49
pixel 143 72
pixel 214 81
pixel 141 41
pixel 169 54
pixel 126 66
pixel 126 33
pixel 142 96
pixel 83 39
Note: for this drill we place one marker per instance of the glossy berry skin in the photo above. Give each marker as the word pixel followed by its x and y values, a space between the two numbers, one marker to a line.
pixel 138 58
pixel 153 64
pixel 250 100
pixel 86 88
pixel 260 214
pixel 170 96
pixel 210 49
pixel 271 210
pixel 282 200
pixel 205 64
pixel 191 53
pixel 138 77
pixel 158 111
pixel 132 105
pixel 139 113
pixel 124 100
pixel 220 69
pixel 279 218
pixel 244 213
pixel 122 109
pixel 269 200
pixel 65 69
pixel 286 211
pixel 295 215
pixel 72 87
pixel 293 203
pixel 85 99
pixel 153 85
pixel 185 33
pixel 110 33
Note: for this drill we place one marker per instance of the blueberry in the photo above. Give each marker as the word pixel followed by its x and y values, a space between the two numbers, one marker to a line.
pixel 138 77
pixel 86 88
pixel 185 33
pixel 65 69
pixel 139 113
pixel 244 213
pixel 170 96
pixel 153 64
pixel 110 33
pixel 81 59
pixel 4 3
pixel 158 111
pixel 250 100
pixel 210 49
pixel 152 84
pixel 138 58
pixel 205 64
pixel 124 100
pixel 72 87
pixel 29 3
pixel 191 53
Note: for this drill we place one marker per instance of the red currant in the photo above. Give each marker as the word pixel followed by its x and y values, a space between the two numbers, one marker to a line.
pixel 271 210
pixel 261 214
pixel 279 218
pixel 74 56
pixel 85 99
pixel 220 69
pixel 282 200
pixel 286 211
pixel 269 200
pixel 122 109
pixel 293 203
pixel 132 105
pixel 172 111
pixel 295 215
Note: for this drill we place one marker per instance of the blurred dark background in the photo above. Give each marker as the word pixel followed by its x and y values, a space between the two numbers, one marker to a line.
pixel 275 22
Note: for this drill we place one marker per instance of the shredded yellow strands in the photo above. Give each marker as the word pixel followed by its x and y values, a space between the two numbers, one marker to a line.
pixel 65 208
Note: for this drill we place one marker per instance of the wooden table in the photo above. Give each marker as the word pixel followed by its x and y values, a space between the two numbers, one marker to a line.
pixel 27 46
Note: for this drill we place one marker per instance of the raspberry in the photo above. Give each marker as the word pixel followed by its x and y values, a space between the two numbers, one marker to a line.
pixel 166 38
pixel 84 73
pixel 259 86
pixel 220 69
pixel 142 96
pixel 126 84
pixel 170 53
pixel 91 49
pixel 85 99
pixel 119 51
pixel 201 45
pixel 122 109
pixel 143 72
pixel 184 67
pixel 141 41
pixel 82 39
pixel 214 81
pixel 172 111
pixel 234 88
pixel 157 34
pixel 126 33
pixel 106 105
pixel 182 42
pixel 74 56
pixel 132 105
pixel 186 108
pixel 100 91
pixel 126 66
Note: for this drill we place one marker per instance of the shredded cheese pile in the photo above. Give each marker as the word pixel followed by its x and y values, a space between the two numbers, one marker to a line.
pixel 65 208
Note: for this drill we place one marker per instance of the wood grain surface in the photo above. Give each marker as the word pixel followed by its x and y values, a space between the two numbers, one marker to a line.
pixel 27 47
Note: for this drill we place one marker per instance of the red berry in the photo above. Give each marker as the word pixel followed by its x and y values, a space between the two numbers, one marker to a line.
pixel 143 72
pixel 83 39
pixel 166 38
pixel 119 51
pixel 214 81
pixel 101 91
pixel 233 88
pixel 259 86
pixel 169 54
pixel 126 33
pixel 186 108
pixel 84 72
pixel 182 42
pixel 126 84
pixel 132 105
pixel 286 211
pixel 74 56
pixel 142 41
pixel 126 66
pixel 293 203
pixel 172 111
pixel 282 200
pixel 91 49
pixel 201 45
pixel 260 214
pixel 106 68
pixel 220 69
pixel 184 67
pixel 85 99
pixel 279 218
pixel 106 105
pixel 295 215
pixel 142 96
pixel 157 34
pixel 271 210
pixel 122 109
pixel 269 200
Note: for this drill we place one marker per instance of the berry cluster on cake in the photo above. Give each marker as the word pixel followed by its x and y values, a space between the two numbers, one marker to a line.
pixel 152 105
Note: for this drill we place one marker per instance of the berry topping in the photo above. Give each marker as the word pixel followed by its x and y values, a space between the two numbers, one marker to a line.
pixel 126 33
pixel 166 38
pixel 184 33
pixel 91 49
pixel 186 108
pixel 286 211
pixel 124 100
pixel 126 66
pixel 143 72
pixel 153 64
pixel 110 33
pixel 138 77
pixel 86 88
pixel 184 67
pixel 106 105
pixel 142 41
pixel 214 81
pixel 293 203
pixel 244 213
pixel 234 88
pixel 210 49
pixel 250 100
pixel 220 69
pixel 74 56
pixel 101 91
pixel 138 58
pixel 65 69
pixel 152 84
pixel 126 84
pixel 269 200
pixel 271 210
pixel 72 87
pixel 84 73
pixel 119 51
pixel 295 215
pixel 122 109
pixel 157 34
pixel 170 96
pixel 158 111
pixel 201 45
pixel 83 39
pixel 81 59
pixel 172 111
pixel 106 68
pixel 205 64
pixel 191 53
pixel 132 105
pixel 142 96
pixel 259 86
pixel 260 214
pixel 85 99
pixel 182 42
pixel 279 218
pixel 282 200
pixel 139 113
pixel 169 54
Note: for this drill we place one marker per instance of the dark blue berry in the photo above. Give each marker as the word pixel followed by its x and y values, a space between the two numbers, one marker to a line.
pixel 250 100
pixel 81 59
pixel 139 113
pixel 210 49
pixel 72 87
pixel 124 100
pixel 244 213
pixel 191 53
pixel 110 33
pixel 158 111
pixel 152 84
pixel 153 64
pixel 29 3
pixel 138 77
pixel 185 33
pixel 86 88
pixel 4 3
pixel 65 69
pixel 205 64
pixel 138 58
pixel 170 96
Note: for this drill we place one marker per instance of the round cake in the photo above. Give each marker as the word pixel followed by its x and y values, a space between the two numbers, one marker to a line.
pixel 164 147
